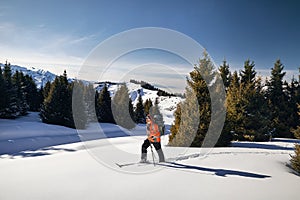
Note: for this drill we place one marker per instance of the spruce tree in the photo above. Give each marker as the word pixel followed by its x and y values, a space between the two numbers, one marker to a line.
pixel 248 74
pixel 122 108
pixel 78 111
pixel 140 116
pixel 147 105
pixel 11 109
pixel 277 101
pixel 103 106
pixel 2 96
pixel 225 74
pixel 57 107
pixel 295 159
pixel 18 81
pixel 195 114
pixel 176 125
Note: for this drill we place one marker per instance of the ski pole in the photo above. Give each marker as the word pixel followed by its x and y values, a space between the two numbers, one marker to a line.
pixel 152 154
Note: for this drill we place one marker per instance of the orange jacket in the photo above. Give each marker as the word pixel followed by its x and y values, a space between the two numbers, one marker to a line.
pixel 153 132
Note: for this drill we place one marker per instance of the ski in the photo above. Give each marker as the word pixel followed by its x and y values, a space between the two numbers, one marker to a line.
pixel 134 163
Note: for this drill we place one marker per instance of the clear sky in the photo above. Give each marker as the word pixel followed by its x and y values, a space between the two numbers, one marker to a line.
pixel 58 34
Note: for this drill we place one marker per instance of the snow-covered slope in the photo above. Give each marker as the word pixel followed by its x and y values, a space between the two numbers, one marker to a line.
pixel 74 171
pixel 167 105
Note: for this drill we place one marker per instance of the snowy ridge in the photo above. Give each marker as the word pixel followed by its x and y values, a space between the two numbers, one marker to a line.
pixel 40 77
pixel 167 104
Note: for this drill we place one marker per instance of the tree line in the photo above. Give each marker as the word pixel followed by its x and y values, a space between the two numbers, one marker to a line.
pixel 19 93
pixel 256 110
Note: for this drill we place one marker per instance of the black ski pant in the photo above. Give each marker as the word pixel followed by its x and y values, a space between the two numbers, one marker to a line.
pixel 157 147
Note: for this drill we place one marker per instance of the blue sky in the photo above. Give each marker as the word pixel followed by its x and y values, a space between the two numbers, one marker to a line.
pixel 60 34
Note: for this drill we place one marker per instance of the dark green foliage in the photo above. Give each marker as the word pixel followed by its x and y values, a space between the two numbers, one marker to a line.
pixel 278 102
pixel 225 74
pixel 147 105
pixel 296 131
pixel 57 107
pixel 139 112
pixel 122 108
pixel 295 159
pixel 248 74
pixel 103 106
pixel 247 112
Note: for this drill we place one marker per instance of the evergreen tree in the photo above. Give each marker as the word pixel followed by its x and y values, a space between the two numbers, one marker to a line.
pixel 147 105
pixel 46 90
pixel 140 116
pixel 195 119
pixel 2 96
pixel 184 132
pixel 295 159
pixel 247 113
pixel 225 74
pixel 176 125
pixel 78 111
pixel 11 109
pixel 57 107
pixel 248 74
pixel 18 81
pixel 33 96
pixel 277 101
pixel 297 130
pixel 103 106
pixel 122 108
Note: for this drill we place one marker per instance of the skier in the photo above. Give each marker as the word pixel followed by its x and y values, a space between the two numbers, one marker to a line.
pixel 153 138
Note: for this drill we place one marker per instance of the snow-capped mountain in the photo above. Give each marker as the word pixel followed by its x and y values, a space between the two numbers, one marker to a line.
pixel 40 76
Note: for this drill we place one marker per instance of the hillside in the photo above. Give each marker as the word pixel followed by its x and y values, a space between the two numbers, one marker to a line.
pixel 87 170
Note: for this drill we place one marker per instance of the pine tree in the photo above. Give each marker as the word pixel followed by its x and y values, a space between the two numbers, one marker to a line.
pixel 195 114
pixel 297 130
pixel 122 108
pixel 57 107
pixel 184 133
pixel 225 74
pixel 33 96
pixel 295 159
pixel 18 81
pixel 46 89
pixel 147 105
pixel 11 109
pixel 176 125
pixel 79 110
pixel 278 103
pixel 103 106
pixel 248 74
pixel 140 116
pixel 3 94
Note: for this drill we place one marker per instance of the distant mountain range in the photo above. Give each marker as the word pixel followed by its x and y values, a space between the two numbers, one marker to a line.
pixel 40 76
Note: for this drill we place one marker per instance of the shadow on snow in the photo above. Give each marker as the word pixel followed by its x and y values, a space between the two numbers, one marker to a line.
pixel 218 172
